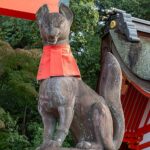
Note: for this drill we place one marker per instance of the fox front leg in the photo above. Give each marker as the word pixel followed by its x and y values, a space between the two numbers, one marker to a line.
pixel 49 126
pixel 66 116
pixel 49 122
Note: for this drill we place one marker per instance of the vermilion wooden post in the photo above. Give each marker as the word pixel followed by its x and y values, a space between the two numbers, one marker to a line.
pixel 25 9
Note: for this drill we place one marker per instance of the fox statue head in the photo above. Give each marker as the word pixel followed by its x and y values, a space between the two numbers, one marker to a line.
pixel 54 27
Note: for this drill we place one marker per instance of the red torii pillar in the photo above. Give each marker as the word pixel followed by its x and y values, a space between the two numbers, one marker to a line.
pixel 25 9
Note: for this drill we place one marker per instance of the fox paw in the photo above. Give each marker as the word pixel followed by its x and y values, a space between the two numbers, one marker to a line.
pixel 84 145
pixel 49 144
pixel 89 146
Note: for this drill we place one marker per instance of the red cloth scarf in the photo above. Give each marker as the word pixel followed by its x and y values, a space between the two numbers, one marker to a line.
pixel 57 60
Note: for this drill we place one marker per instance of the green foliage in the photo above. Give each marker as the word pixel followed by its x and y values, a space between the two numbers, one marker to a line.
pixel 85 40
pixel 144 9
pixel 18 94
pixel 69 142
pixel 13 141
pixel 35 130
pixel 19 33
pixel 138 8
pixel 10 138
pixel 17 80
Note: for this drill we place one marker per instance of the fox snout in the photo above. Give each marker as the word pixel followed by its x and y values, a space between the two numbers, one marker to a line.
pixel 52 35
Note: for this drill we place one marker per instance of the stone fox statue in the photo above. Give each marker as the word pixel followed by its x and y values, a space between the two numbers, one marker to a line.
pixel 96 122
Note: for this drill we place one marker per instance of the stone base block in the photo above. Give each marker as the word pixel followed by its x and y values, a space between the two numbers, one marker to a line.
pixel 65 149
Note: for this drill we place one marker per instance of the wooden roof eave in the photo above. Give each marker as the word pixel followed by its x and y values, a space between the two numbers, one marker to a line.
pixel 141 25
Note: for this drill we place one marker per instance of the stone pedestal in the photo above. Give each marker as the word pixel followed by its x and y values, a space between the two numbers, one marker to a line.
pixel 63 149
pixel 66 149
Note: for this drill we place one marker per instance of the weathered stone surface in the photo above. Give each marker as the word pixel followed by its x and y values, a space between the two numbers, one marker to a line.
pixel 63 149
pixel 79 108
pixel 59 148
pixel 134 55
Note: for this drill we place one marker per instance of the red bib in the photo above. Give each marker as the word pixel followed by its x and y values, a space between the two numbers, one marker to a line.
pixel 57 60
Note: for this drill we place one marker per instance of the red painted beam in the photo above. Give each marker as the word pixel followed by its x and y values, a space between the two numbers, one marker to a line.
pixel 132 140
pixel 139 147
pixel 143 130
pixel 134 147
pixel 145 145
pixel 25 9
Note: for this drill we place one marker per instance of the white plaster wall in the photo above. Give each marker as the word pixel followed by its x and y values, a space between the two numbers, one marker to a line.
pixel 146 139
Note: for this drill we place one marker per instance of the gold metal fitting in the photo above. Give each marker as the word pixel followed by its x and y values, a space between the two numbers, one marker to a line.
pixel 113 24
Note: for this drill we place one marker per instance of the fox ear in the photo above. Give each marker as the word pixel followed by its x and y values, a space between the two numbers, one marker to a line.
pixel 66 12
pixel 42 14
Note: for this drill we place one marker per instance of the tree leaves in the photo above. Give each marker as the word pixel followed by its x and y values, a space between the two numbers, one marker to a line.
pixel 18 94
